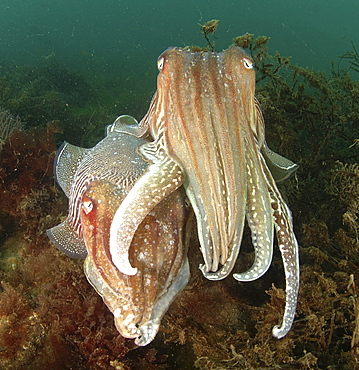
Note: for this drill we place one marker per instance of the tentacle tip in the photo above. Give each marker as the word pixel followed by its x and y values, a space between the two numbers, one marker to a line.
pixel 203 268
pixel 148 332
pixel 244 278
pixel 239 277
pixel 279 332
pixel 131 271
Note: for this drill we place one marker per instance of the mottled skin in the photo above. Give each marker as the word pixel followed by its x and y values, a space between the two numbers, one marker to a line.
pixel 157 250
pixel 208 133
pixel 96 181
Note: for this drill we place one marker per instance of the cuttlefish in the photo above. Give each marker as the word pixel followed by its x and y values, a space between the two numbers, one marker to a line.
pixel 208 134
pixel 96 181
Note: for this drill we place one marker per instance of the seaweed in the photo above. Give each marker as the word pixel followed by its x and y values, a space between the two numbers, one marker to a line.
pixel 25 178
pixel 49 92
pixel 346 187
pixel 210 28
pixel 44 93
pixel 8 124
pixel 353 57
pixel 50 317
pixel 267 66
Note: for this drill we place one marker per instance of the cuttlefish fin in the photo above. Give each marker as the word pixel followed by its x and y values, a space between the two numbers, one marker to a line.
pixel 67 160
pixel 280 167
pixel 162 177
pixel 126 124
pixel 67 241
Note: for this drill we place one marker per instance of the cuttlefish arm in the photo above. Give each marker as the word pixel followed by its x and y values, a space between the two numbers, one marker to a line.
pixel 288 246
pixel 259 213
pixel 162 178
pixel 260 217
pixel 289 249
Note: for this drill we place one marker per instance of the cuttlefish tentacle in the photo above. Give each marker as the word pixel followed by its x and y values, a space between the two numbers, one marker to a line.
pixel 162 178
pixel 260 220
pixel 260 215
pixel 289 249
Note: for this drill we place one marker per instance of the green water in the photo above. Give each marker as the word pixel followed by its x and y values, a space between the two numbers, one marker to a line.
pixel 128 35
pixel 115 43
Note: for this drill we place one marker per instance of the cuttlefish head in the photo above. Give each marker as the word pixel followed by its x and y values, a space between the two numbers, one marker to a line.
pixel 157 251
pixel 195 85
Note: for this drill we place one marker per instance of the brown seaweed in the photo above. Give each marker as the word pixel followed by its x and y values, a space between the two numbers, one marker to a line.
pixel 50 317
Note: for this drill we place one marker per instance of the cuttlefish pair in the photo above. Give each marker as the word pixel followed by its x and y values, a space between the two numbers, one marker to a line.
pixel 202 137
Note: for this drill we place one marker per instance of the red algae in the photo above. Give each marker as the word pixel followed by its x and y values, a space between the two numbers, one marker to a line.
pixel 50 317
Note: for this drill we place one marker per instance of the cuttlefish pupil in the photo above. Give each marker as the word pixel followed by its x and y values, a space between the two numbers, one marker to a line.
pixel 248 63
pixel 160 64
pixel 87 206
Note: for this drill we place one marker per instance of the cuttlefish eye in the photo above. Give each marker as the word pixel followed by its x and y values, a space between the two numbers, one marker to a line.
pixel 160 63
pixel 248 63
pixel 87 206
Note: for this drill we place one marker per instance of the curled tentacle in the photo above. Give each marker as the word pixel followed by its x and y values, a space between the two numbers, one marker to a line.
pixel 162 177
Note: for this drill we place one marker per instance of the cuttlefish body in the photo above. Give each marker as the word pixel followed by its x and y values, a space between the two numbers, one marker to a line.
pixel 208 134
pixel 96 181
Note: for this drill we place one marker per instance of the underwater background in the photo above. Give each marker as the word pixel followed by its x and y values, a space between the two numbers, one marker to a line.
pixel 115 43
pixel 117 35
pixel 68 69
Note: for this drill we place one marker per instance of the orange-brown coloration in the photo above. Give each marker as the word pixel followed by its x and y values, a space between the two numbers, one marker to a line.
pixel 157 251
